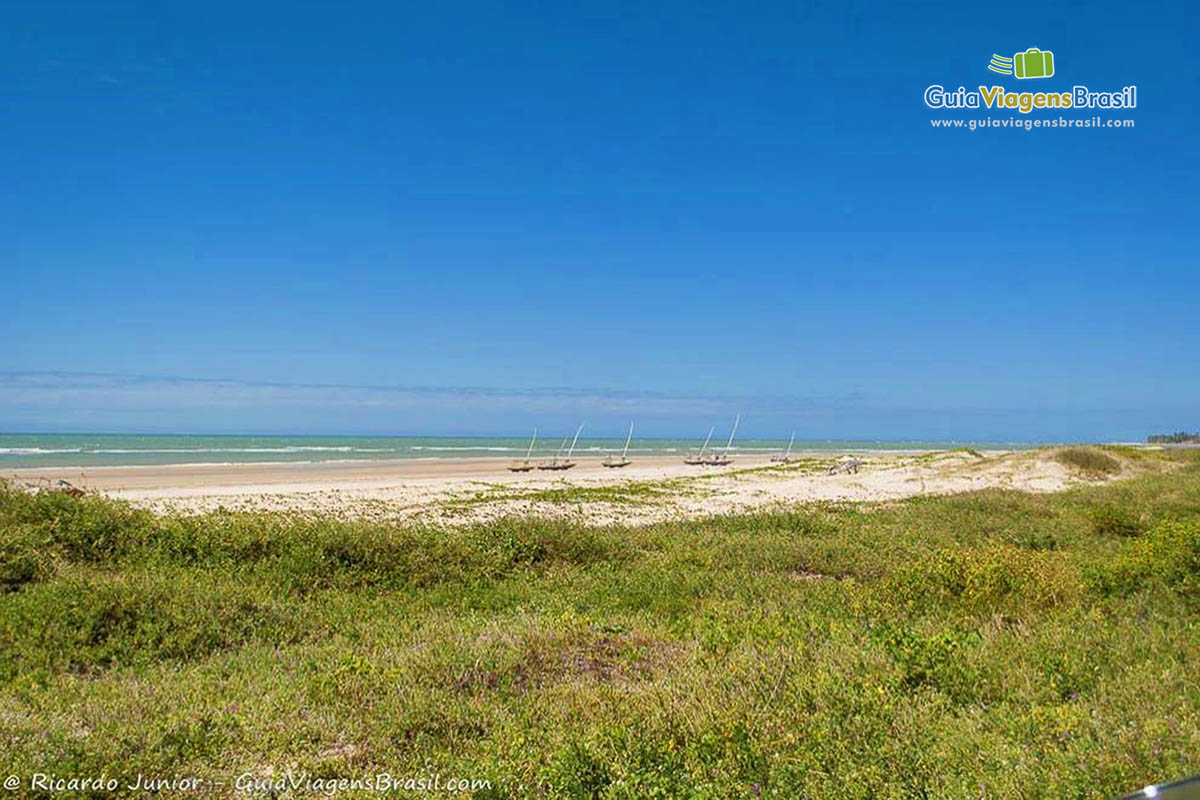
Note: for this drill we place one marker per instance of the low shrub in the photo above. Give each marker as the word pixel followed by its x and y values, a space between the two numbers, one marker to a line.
pixel 934 660
pixel 1168 553
pixel 89 623
pixel 986 578
pixel 88 528
pixel 21 561
pixel 1113 520
pixel 1088 460
pixel 298 552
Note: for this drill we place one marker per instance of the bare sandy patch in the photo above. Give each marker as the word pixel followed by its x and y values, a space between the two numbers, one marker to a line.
pixel 464 491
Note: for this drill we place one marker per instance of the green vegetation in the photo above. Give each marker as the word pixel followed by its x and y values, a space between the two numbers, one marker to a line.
pixel 1111 519
pixel 990 644
pixel 1090 460
pixel 661 492
pixel 1179 437
pixel 628 493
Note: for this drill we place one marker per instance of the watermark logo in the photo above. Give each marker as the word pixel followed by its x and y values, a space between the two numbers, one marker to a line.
pixel 1033 63
pixel 1030 63
pixel 1001 64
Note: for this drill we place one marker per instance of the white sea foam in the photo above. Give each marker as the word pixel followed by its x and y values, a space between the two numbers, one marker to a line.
pixel 475 447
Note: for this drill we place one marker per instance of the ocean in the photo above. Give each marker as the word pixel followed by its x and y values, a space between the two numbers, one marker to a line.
pixel 112 450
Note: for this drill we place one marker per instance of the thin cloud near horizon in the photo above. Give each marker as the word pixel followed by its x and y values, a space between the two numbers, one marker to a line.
pixel 62 401
pixel 59 380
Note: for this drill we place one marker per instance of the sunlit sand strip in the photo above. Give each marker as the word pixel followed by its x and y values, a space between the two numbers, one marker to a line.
pixel 458 491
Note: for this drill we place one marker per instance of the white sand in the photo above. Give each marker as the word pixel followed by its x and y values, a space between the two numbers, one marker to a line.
pixel 464 490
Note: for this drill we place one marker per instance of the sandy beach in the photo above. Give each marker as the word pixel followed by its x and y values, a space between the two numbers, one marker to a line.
pixel 461 490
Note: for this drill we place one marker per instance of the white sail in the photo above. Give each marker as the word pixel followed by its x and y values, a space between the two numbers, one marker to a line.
pixel 732 433
pixel 573 441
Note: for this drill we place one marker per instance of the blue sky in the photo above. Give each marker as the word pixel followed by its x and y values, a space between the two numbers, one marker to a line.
pixel 731 206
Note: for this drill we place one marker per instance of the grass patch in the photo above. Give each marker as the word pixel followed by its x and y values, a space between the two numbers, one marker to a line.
pixel 629 493
pixel 992 643
pixel 1112 519
pixel 1089 460
pixel 85 624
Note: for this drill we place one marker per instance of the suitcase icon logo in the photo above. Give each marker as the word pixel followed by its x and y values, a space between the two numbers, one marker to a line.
pixel 1033 63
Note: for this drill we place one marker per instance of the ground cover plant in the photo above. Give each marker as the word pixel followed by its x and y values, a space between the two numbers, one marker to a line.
pixel 988 644
pixel 1089 460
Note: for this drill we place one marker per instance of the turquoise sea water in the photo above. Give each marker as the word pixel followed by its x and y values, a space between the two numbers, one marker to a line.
pixel 101 450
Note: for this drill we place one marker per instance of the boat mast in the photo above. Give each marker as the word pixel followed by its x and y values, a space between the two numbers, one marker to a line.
pixel 731 433
pixel 627 440
pixel 789 450
pixel 706 438
pixel 573 441
pixel 529 452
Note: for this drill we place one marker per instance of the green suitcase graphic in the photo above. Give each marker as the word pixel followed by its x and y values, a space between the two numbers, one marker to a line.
pixel 1034 63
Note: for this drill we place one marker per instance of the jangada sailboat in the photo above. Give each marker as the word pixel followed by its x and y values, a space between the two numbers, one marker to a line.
pixel 565 463
pixel 786 456
pixel 698 458
pixel 722 459
pixel 526 465
pixel 623 461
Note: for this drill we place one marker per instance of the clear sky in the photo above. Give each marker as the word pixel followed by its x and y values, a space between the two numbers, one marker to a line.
pixel 331 217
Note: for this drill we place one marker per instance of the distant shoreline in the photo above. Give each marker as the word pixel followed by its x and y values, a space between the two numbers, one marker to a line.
pixel 106 451
pixel 589 457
